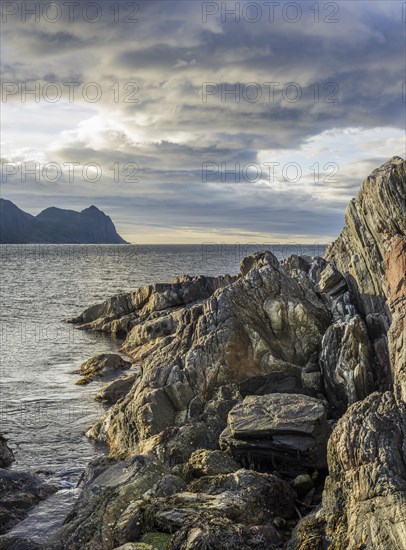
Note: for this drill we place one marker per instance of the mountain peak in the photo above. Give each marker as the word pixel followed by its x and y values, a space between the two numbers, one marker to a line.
pixel 57 226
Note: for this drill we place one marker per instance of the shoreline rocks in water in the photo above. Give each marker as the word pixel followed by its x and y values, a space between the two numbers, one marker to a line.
pixel 104 366
pixel 19 492
pixel 261 399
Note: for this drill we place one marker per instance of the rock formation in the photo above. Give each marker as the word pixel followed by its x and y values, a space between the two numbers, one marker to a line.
pixel 364 500
pixel 258 400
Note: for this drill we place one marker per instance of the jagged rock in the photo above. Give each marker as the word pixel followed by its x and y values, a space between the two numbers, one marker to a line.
pixel 116 389
pixel 378 211
pixel 364 500
pixel 6 454
pixel 377 214
pixel 206 347
pixel 210 463
pixel 395 284
pixel 19 492
pixel 286 431
pixel 256 261
pixel 331 282
pixel 346 363
pixel 248 328
pixel 285 378
pixel 120 313
pixel 295 263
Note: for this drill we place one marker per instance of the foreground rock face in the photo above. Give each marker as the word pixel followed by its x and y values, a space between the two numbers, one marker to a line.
pixel 261 365
pixel 365 494
pixel 137 496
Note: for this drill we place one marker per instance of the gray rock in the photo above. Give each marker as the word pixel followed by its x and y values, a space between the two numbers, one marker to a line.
pixel 364 499
pixel 346 363
pixel 6 454
pixel 217 532
pixel 249 328
pixel 116 389
pixel 286 431
pixel 11 542
pixel 265 495
pixel 100 518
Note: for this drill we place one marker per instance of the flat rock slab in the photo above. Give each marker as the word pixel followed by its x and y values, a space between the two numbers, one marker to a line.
pixel 284 430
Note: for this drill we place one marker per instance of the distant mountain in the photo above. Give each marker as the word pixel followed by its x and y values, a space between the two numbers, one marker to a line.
pixel 56 226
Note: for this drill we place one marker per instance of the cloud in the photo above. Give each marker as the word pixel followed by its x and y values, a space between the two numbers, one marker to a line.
pixel 167 105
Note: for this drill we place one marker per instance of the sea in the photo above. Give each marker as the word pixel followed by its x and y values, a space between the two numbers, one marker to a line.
pixel 43 413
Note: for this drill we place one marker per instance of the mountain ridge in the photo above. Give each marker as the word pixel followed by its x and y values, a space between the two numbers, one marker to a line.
pixel 56 226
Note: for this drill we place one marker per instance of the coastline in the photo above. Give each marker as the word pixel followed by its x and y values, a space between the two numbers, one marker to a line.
pixel 223 434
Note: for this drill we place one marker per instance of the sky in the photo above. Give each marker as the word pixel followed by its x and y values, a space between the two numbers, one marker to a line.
pixel 191 122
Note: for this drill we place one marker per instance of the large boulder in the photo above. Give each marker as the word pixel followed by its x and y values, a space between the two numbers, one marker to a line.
pixel 364 500
pixel 96 519
pixel 288 432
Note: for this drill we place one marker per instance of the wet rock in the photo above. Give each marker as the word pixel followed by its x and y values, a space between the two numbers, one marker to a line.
pixel 10 542
pixel 6 454
pixel 103 366
pixel 95 521
pixel 19 492
pixel 284 431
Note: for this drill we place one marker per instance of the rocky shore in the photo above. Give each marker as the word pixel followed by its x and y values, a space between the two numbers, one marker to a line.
pixel 265 410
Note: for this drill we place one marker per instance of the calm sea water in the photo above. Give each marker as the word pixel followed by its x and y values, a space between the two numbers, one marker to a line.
pixel 43 413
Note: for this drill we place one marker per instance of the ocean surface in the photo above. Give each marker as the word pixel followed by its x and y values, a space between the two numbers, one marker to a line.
pixel 42 412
